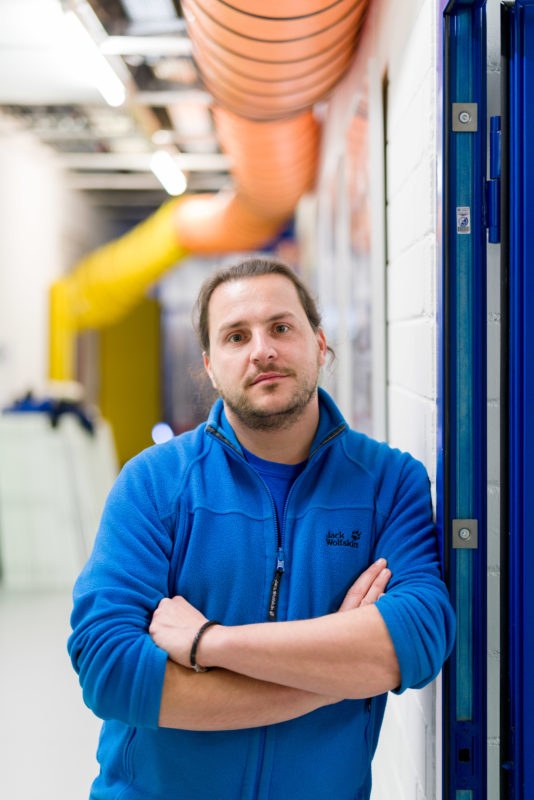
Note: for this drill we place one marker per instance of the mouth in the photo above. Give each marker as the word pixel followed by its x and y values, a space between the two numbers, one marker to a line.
pixel 268 377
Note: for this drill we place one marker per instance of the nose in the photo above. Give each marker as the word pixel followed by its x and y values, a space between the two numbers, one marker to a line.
pixel 263 348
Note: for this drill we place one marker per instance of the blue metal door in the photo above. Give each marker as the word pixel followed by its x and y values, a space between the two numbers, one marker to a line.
pixel 517 696
pixel 462 477
pixel 470 203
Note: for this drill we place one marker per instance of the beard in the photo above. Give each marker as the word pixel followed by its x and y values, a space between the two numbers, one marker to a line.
pixel 265 419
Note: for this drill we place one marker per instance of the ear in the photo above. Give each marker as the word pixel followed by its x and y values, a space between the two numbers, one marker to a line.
pixel 207 367
pixel 321 341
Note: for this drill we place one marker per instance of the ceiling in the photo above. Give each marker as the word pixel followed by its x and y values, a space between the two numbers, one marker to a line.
pixel 107 149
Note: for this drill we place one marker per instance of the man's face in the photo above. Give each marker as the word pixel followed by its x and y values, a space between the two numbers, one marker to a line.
pixel 264 356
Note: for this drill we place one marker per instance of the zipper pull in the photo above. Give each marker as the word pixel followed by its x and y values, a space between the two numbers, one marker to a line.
pixel 275 585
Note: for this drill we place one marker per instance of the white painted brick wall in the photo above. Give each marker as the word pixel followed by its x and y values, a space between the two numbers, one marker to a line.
pixel 411 211
pixel 411 134
pixel 411 282
pixel 408 42
pixel 400 39
pixel 412 425
pixel 412 347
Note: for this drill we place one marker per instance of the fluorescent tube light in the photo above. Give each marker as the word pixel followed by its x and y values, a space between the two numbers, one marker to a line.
pixel 92 64
pixel 168 173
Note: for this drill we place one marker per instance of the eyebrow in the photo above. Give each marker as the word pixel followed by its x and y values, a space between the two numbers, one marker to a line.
pixel 239 323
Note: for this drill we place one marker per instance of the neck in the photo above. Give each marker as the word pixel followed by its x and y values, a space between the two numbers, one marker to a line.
pixel 289 445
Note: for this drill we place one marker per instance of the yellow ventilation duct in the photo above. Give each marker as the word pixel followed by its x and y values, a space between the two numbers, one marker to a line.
pixel 266 64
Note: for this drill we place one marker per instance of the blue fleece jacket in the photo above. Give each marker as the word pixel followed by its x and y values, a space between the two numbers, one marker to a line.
pixel 192 517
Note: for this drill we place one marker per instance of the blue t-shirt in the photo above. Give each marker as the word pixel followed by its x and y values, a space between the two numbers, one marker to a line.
pixel 278 477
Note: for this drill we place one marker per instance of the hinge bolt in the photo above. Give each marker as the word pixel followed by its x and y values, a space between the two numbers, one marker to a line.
pixel 465 534
pixel 464 117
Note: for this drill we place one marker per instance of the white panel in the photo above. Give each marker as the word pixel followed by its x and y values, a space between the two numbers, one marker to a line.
pixel 53 485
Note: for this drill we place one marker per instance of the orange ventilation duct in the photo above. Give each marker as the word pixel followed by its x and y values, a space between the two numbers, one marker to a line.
pixel 274 163
pixel 266 60
pixel 266 63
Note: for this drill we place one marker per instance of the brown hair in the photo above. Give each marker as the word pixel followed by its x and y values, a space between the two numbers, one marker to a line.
pixel 249 268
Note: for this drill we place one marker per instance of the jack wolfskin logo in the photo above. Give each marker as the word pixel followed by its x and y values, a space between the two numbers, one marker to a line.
pixel 339 539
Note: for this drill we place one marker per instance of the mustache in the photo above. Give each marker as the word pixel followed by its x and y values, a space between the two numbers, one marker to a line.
pixel 267 370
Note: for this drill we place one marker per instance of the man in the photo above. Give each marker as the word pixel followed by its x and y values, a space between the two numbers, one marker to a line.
pixel 236 625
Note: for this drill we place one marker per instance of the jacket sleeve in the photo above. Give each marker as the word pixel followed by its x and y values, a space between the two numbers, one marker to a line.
pixel 416 606
pixel 120 668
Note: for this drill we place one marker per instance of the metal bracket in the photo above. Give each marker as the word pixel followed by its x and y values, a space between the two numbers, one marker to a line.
pixel 465 534
pixel 464 117
pixel 493 185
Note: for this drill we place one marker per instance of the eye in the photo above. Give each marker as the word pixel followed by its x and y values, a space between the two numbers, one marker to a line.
pixel 235 338
pixel 281 328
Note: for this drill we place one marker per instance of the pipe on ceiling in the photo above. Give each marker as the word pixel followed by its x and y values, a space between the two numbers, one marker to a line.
pixel 266 64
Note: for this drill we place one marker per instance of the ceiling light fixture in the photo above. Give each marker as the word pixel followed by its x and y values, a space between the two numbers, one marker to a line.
pixel 93 65
pixel 168 173
pixel 156 10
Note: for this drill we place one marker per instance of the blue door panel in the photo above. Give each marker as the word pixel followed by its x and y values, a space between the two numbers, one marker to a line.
pixel 519 763
pixel 462 483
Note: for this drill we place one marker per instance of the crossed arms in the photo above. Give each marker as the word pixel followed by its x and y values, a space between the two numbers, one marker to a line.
pixel 265 673
pixel 272 672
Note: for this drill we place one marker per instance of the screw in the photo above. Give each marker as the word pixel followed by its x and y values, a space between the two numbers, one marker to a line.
pixel 465 534
pixel 464 117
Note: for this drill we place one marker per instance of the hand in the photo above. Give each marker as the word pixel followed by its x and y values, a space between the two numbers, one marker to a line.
pixel 368 588
pixel 175 623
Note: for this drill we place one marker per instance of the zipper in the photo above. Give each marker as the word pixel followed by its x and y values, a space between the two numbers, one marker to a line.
pixel 329 438
pixel 224 440
pixel 279 570
pixel 275 585
pixel 280 557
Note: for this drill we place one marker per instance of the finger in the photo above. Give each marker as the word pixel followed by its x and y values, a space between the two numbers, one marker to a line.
pixel 361 586
pixel 380 584
pixel 163 604
pixel 378 587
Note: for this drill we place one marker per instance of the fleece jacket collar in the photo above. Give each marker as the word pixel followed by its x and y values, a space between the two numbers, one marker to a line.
pixel 331 423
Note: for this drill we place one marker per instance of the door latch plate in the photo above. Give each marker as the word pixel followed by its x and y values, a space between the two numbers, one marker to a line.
pixel 464 117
